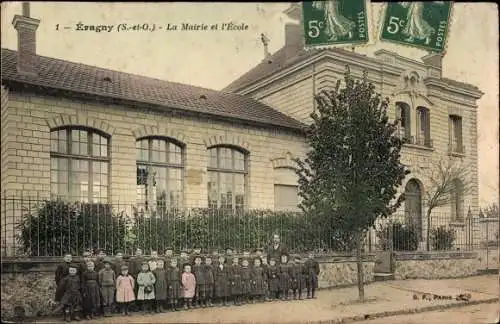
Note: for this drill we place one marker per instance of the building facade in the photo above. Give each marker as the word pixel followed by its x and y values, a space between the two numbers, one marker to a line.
pixel 80 132
pixel 438 116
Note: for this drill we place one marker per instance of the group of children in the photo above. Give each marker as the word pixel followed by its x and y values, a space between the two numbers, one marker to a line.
pixel 96 285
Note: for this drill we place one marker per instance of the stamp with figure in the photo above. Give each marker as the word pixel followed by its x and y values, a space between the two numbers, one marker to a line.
pixel 419 24
pixel 335 22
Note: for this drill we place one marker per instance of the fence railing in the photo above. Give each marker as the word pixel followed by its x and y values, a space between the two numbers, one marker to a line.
pixel 32 227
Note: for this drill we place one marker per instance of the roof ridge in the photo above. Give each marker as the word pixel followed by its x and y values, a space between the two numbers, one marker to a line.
pixel 117 71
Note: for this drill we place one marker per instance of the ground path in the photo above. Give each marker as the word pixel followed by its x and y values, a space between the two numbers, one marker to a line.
pixel 383 298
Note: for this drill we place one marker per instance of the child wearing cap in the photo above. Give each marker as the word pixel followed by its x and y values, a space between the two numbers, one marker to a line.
pixel 246 283
pixel 69 290
pixel 235 281
pixel 258 281
pixel 107 282
pixel 312 271
pixel 125 290
pixel 197 270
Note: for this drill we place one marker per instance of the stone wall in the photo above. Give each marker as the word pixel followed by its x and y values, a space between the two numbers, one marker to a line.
pixel 435 265
pixel 30 284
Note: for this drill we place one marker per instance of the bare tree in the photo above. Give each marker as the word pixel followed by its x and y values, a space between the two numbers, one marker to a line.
pixel 445 180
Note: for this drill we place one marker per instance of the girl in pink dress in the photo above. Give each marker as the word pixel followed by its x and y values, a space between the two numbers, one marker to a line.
pixel 189 286
pixel 124 290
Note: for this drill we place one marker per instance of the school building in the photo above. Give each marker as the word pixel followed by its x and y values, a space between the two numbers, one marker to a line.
pixel 81 132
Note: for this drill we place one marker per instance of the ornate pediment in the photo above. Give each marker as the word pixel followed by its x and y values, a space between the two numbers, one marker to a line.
pixel 412 86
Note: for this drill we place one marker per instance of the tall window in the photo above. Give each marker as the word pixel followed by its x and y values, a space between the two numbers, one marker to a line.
pixel 403 114
pixel 227 171
pixel 286 196
pixel 424 127
pixel 79 159
pixel 456 201
pixel 456 143
pixel 159 174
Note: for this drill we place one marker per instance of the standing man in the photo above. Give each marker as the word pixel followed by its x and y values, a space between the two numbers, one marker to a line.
pixel 276 249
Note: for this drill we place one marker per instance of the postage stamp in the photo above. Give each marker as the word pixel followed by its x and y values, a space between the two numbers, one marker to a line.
pixel 335 22
pixel 419 24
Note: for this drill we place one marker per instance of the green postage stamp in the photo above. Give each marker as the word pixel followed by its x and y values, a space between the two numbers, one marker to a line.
pixel 335 22
pixel 420 24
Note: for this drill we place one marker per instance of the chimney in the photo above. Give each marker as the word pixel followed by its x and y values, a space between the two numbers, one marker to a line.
pixel 434 64
pixel 294 35
pixel 26 41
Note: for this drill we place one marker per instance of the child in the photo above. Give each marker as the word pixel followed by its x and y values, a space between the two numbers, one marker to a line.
pixel 83 266
pixel 265 269
pixel 221 281
pixel 145 292
pixel 274 280
pixel 62 271
pixel 208 288
pixel 125 290
pixel 229 255
pixel 99 264
pixel 246 276
pixel 235 281
pixel 153 261
pixel 285 277
pixel 173 284
pixel 69 290
pixel 135 265
pixel 311 269
pixel 91 292
pixel 183 259
pixel 196 253
pixel 169 254
pixel 258 281
pixel 200 282
pixel 107 281
pixel 298 282
pixel 189 286
pixel 246 254
pixel 118 262
pixel 160 286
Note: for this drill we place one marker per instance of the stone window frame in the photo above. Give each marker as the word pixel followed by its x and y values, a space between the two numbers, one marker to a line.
pixel 89 157
pixel 167 164
pixel 423 124
pixel 456 142
pixel 234 171
pixel 403 110
pixel 457 201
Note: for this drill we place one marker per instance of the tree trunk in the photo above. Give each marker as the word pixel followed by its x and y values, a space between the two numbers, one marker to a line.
pixel 427 238
pixel 359 264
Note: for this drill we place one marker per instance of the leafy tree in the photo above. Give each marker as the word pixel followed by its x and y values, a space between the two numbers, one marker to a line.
pixel 444 181
pixel 352 171
pixel 491 211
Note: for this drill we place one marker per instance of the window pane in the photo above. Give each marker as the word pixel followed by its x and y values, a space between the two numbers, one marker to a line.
pixel 59 177
pixel 212 189
pixel 79 143
pixel 212 161
pixel 79 180
pixel 58 141
pixel 158 151
pixel 142 150
pixel 239 180
pixel 175 155
pixel 239 160
pixel 226 190
pixel 226 158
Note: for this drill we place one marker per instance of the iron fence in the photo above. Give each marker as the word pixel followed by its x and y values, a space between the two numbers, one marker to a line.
pixel 440 233
pixel 33 227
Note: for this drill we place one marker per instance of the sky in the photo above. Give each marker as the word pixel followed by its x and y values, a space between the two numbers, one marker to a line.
pixel 213 59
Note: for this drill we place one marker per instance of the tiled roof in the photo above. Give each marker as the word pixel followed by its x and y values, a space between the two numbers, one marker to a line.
pixel 80 78
pixel 283 58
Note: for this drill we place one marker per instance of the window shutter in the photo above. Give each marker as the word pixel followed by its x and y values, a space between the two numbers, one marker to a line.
pixel 285 197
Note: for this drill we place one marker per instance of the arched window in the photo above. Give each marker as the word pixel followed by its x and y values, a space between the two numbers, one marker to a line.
pixel 403 114
pixel 227 176
pixel 159 174
pixel 79 159
pixel 424 127
pixel 457 210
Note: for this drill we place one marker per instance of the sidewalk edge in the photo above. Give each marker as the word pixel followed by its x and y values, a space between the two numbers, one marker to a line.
pixel 432 308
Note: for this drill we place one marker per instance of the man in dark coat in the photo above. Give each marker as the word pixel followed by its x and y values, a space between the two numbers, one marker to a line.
pixel 276 249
